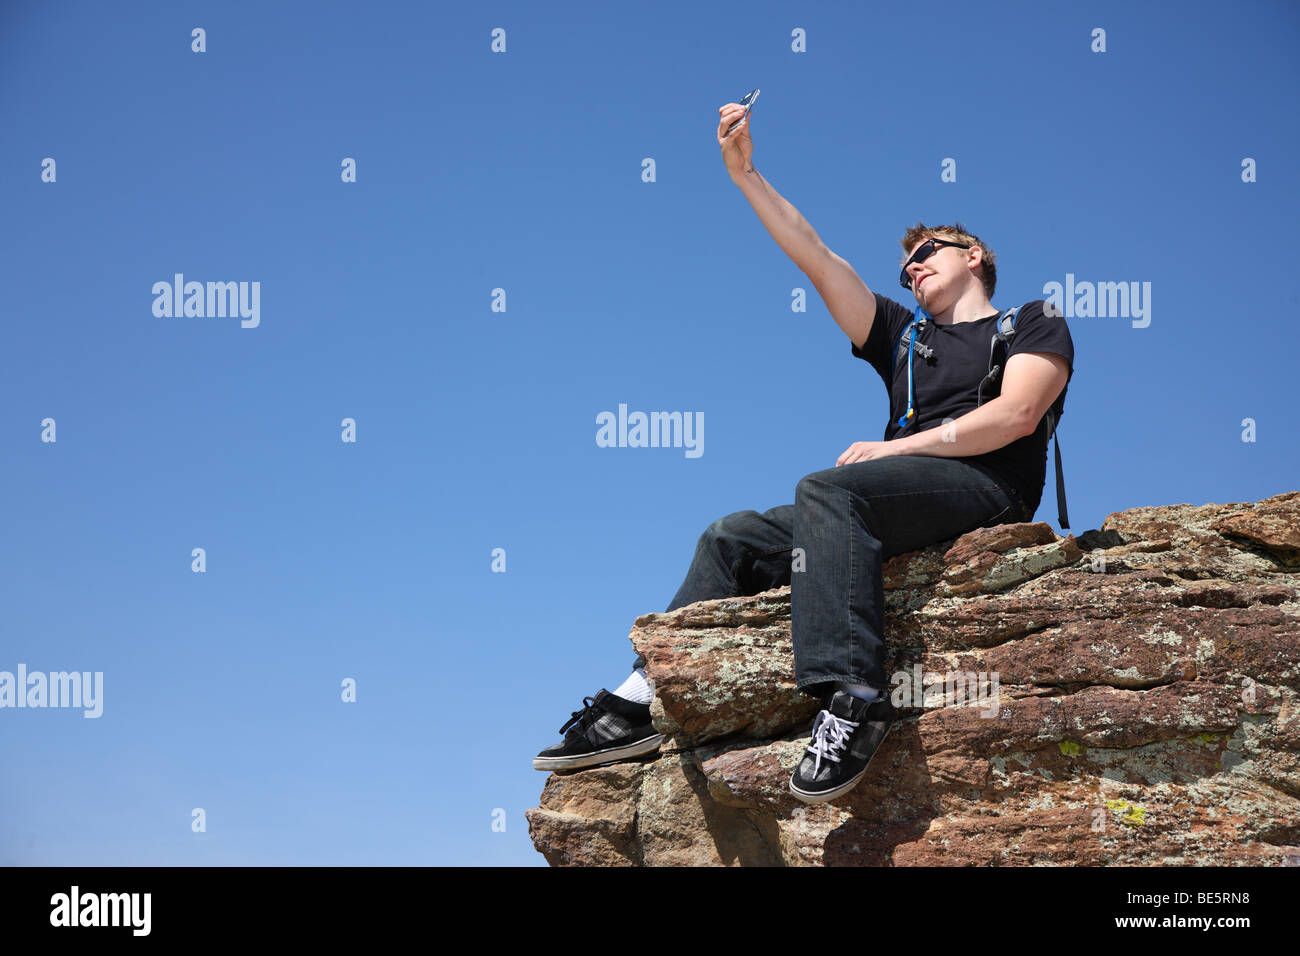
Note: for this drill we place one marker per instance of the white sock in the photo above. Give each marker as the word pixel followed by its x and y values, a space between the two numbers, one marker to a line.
pixel 861 691
pixel 637 688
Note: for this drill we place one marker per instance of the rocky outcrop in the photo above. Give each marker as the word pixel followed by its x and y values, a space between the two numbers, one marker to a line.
pixel 1128 697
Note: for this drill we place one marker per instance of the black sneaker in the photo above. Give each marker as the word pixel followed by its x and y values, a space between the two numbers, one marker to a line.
pixel 845 737
pixel 607 728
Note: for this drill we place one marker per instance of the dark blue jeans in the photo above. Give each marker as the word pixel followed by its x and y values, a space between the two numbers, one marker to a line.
pixel 848 521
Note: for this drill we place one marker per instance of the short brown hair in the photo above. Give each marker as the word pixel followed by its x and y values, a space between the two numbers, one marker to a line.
pixel 954 233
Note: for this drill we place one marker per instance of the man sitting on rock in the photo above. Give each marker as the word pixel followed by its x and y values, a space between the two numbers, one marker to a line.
pixel 959 453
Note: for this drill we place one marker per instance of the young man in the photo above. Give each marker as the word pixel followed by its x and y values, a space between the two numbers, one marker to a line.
pixel 956 456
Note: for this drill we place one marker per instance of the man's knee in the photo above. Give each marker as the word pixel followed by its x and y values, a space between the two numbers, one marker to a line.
pixel 814 484
pixel 730 527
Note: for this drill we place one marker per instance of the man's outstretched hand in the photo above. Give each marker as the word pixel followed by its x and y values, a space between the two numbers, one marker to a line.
pixel 867 450
pixel 737 146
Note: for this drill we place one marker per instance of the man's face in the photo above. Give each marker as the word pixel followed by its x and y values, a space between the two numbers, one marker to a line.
pixel 942 270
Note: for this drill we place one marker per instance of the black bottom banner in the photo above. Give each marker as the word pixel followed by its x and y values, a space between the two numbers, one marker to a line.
pixel 901 906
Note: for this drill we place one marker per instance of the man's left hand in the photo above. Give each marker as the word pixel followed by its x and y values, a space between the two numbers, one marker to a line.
pixel 865 451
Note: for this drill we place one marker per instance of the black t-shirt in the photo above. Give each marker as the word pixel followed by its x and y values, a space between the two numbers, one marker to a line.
pixel 946 385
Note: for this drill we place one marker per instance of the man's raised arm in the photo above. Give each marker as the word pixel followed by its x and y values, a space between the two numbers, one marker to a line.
pixel 851 304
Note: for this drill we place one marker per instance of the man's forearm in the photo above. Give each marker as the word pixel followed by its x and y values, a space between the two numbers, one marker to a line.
pixel 993 425
pixel 784 223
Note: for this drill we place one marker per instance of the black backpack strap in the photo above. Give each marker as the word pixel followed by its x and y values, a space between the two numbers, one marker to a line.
pixel 1062 516
pixel 904 353
pixel 901 343
pixel 1004 332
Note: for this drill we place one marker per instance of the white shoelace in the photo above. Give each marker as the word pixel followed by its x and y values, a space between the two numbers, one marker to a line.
pixel 830 734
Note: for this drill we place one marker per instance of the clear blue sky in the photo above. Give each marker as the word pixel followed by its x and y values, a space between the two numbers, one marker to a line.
pixel 476 428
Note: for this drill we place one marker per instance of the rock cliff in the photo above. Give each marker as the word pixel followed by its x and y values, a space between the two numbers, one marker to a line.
pixel 1130 697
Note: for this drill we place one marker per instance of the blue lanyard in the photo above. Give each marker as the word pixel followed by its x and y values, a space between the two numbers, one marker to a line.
pixel 917 321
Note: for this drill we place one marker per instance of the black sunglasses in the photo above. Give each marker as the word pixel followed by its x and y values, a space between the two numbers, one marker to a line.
pixel 926 250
